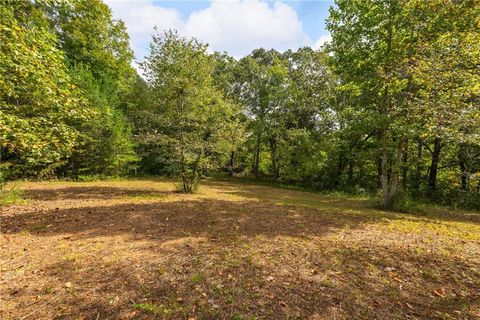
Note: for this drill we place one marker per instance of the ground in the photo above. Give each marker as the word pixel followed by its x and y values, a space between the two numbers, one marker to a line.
pixel 140 250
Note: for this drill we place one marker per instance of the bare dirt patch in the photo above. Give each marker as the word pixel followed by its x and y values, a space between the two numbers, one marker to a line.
pixel 139 250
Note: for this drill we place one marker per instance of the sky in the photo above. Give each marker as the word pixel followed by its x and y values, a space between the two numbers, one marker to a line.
pixel 234 26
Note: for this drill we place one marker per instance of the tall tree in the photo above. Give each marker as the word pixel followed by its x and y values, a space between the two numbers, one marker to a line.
pixel 263 91
pixel 370 41
pixel 195 116
pixel 445 69
pixel 39 105
pixel 98 55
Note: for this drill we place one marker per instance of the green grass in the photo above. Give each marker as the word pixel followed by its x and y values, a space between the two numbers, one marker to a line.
pixel 148 307
pixel 11 196
pixel 197 278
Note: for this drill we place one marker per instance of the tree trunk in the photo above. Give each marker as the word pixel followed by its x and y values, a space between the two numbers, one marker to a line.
pixel 350 173
pixel 338 174
pixel 273 149
pixel 418 169
pixel 386 201
pixel 257 156
pixel 405 167
pixel 379 172
pixel 231 163
pixel 432 176
pixel 396 170
pixel 186 183
pixel 463 167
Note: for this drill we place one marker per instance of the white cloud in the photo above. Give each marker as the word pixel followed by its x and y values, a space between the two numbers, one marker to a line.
pixel 140 18
pixel 237 26
pixel 321 41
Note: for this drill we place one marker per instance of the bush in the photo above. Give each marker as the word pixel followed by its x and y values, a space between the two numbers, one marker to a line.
pixel 187 185
pixel 468 199
pixel 401 203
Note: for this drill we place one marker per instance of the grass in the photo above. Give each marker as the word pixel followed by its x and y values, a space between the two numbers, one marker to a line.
pixel 147 307
pixel 11 196
pixel 197 278
pixel 233 250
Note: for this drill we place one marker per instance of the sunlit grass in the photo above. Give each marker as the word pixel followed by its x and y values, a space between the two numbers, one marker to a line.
pixel 12 195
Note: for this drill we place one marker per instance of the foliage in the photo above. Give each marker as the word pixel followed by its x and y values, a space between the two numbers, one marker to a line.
pixel 98 56
pixel 195 118
pixel 390 104
pixel 61 83
pixel 398 82
pixel 38 102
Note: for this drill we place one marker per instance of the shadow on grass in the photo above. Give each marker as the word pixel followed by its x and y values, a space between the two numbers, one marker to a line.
pixel 263 211
pixel 206 282
pixel 335 203
pixel 269 258
pixel 203 217
pixel 89 192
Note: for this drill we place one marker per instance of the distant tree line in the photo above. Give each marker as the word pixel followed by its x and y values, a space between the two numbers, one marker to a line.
pixel 390 105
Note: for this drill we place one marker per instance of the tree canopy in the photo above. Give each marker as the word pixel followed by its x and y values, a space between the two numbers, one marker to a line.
pixel 389 107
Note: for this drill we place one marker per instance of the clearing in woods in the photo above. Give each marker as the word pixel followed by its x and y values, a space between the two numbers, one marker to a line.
pixel 139 250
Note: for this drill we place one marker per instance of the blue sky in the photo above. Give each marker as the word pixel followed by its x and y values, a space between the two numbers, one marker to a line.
pixel 234 26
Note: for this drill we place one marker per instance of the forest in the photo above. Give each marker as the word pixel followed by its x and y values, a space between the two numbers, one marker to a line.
pixel 338 182
pixel 389 107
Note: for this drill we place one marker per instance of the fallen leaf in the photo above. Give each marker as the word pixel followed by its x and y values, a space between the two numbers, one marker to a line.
pixel 440 292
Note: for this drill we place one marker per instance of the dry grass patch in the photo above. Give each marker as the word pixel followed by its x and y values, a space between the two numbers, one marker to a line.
pixel 140 250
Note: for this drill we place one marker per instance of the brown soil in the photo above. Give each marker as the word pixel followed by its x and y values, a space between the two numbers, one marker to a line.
pixel 139 250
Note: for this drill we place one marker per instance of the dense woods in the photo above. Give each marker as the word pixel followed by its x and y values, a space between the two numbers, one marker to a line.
pixel 391 106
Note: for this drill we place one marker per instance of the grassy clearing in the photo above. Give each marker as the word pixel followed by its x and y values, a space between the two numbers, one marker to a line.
pixel 139 249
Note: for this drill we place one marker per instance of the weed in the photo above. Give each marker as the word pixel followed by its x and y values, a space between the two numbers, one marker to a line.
pixel 197 278
pixel 11 196
pixel 229 299
pixel 147 307
pixel 327 282
pixel 99 177
pixel 146 197
pixel 39 227
pixel 429 275
pixel 146 292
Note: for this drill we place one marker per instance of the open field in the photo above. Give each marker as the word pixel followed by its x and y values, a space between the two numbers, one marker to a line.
pixel 139 250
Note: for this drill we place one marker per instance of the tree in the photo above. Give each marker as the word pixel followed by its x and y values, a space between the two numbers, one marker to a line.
pixel 370 41
pixel 445 70
pixel 225 79
pixel 195 116
pixel 98 57
pixel 308 116
pixel 262 91
pixel 39 104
